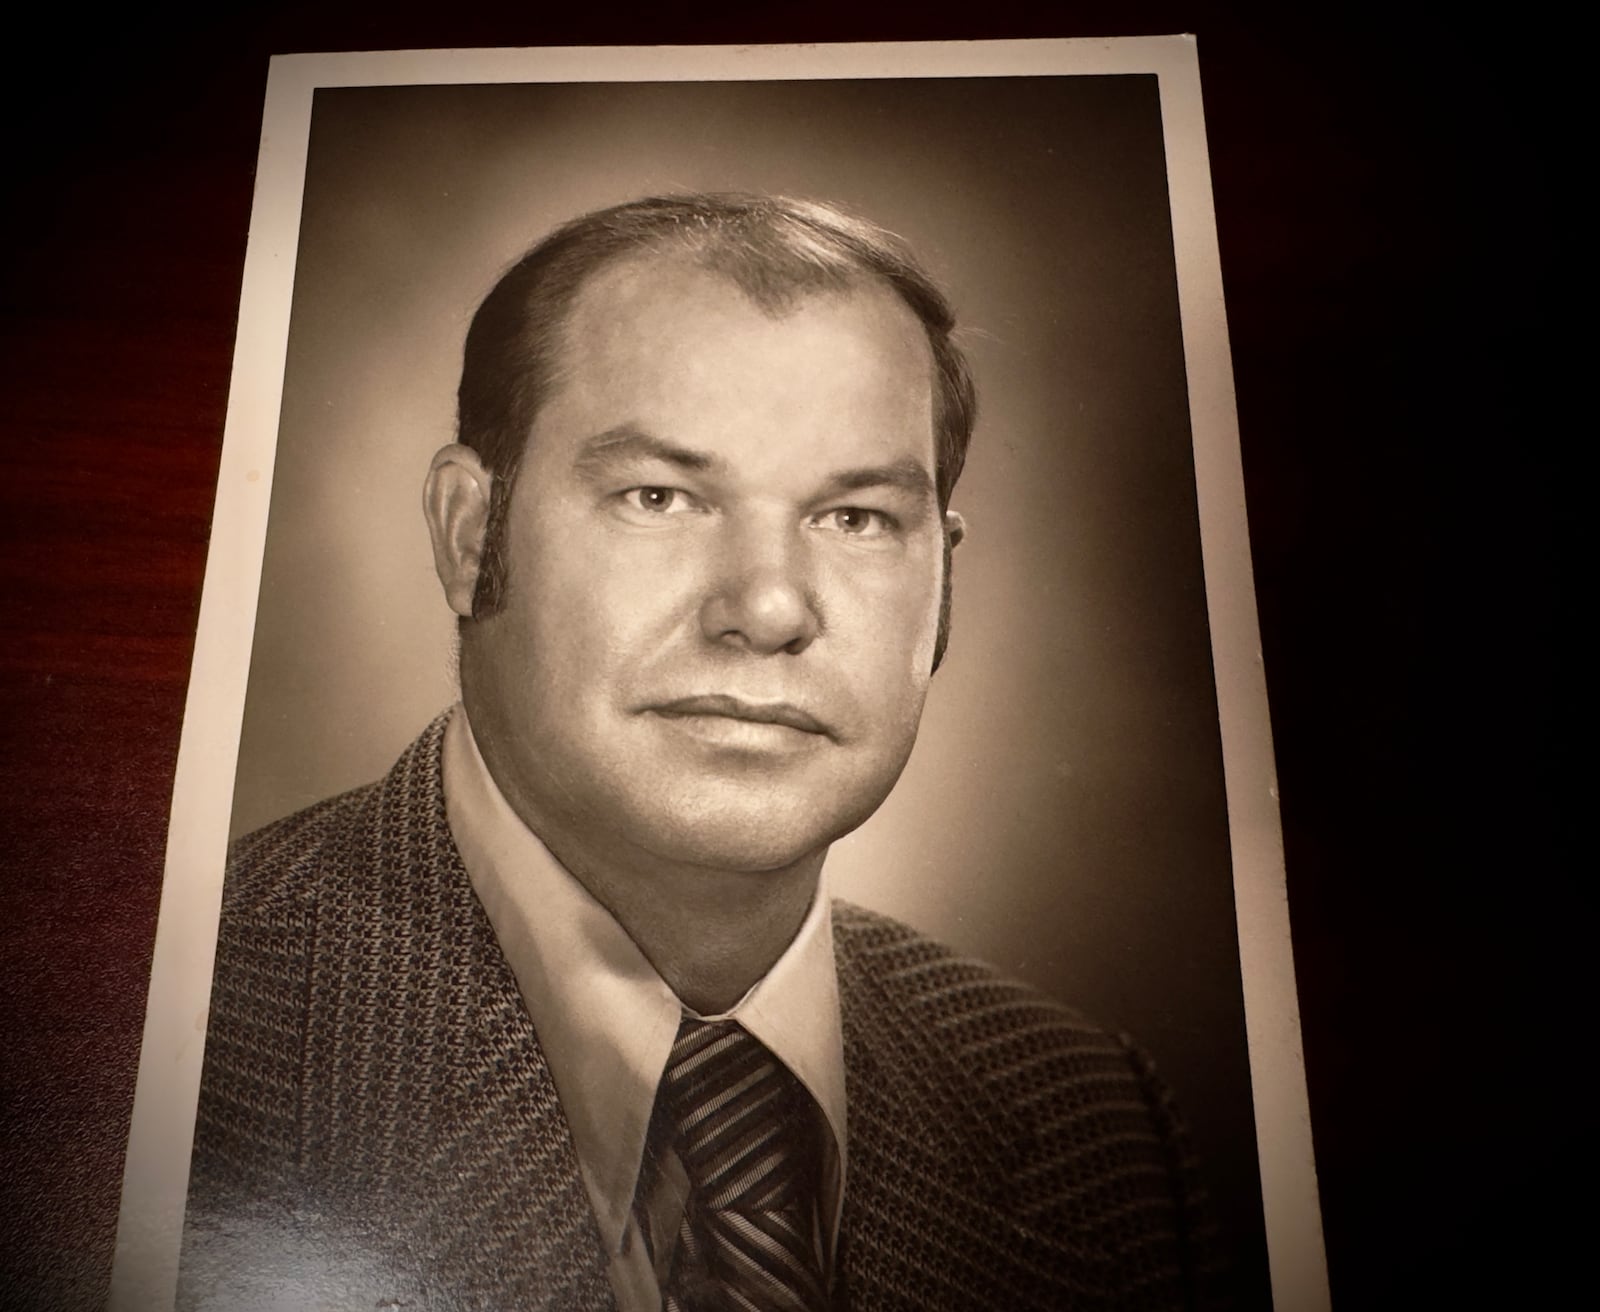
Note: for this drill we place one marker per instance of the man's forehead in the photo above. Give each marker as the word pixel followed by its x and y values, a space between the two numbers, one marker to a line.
pixel 838 379
pixel 665 290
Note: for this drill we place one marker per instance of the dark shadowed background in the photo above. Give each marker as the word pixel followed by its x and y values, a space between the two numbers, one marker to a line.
pixel 1388 253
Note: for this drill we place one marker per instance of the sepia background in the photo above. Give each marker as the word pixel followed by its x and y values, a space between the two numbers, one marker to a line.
pixel 1063 815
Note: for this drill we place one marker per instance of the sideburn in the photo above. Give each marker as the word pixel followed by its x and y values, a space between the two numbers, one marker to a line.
pixel 488 593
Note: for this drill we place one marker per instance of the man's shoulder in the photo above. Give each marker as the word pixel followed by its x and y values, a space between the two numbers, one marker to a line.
pixel 928 1022
pixel 288 860
pixel 919 1012
pixel 1051 1138
pixel 914 975
pixel 281 859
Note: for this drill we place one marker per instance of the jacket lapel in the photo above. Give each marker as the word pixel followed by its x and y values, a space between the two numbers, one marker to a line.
pixel 916 1189
pixel 428 1102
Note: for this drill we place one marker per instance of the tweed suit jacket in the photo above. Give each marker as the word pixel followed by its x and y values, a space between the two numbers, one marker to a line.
pixel 378 1127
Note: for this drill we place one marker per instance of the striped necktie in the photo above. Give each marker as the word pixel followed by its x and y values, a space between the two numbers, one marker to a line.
pixel 746 1133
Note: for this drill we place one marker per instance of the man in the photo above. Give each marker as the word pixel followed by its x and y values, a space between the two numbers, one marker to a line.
pixel 559 1014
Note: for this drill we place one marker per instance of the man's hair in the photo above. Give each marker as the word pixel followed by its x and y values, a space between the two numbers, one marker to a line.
pixel 774 248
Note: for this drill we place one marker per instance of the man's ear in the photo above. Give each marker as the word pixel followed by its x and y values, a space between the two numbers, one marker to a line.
pixel 955 527
pixel 455 501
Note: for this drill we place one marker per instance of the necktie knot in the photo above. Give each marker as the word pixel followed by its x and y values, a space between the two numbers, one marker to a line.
pixel 743 1126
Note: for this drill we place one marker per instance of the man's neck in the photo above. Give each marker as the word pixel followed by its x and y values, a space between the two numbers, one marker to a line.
pixel 710 934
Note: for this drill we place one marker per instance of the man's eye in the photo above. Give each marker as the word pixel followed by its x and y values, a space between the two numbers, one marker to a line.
pixel 658 500
pixel 856 522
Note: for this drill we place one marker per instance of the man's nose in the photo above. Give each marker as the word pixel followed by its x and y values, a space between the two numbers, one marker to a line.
pixel 762 599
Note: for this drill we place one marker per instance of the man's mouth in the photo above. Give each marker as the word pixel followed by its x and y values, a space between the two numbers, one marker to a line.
pixel 734 708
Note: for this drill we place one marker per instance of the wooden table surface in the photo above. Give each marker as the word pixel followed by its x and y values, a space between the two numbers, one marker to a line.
pixel 1381 214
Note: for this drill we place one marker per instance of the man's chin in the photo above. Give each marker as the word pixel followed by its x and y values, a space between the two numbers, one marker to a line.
pixel 754 838
pixel 739 852
pixel 730 813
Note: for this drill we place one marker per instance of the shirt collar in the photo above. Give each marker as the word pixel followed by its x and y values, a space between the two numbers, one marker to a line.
pixel 605 1019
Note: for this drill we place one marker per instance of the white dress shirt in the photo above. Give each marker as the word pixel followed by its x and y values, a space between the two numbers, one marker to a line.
pixel 606 1020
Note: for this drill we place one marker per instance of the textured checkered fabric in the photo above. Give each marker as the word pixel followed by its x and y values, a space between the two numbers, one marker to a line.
pixel 378 1126
pixel 743 1128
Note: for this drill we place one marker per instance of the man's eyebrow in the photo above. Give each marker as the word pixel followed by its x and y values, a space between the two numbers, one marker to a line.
pixel 625 442
pixel 602 452
pixel 907 474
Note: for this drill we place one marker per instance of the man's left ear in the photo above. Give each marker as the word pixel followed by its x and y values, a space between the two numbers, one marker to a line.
pixel 955 528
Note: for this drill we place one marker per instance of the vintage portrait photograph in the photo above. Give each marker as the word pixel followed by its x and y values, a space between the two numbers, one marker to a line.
pixel 738 772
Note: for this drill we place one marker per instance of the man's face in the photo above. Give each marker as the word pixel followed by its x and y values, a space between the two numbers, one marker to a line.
pixel 724 554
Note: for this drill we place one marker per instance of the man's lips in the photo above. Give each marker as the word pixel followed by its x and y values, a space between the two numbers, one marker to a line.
pixel 734 708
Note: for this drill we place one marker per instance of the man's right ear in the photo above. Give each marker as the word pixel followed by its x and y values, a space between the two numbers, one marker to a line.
pixel 455 500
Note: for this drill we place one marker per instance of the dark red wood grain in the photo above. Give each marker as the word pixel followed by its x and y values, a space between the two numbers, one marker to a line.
pixel 1379 214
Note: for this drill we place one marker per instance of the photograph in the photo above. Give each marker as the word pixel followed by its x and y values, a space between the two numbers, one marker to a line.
pixel 728 762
